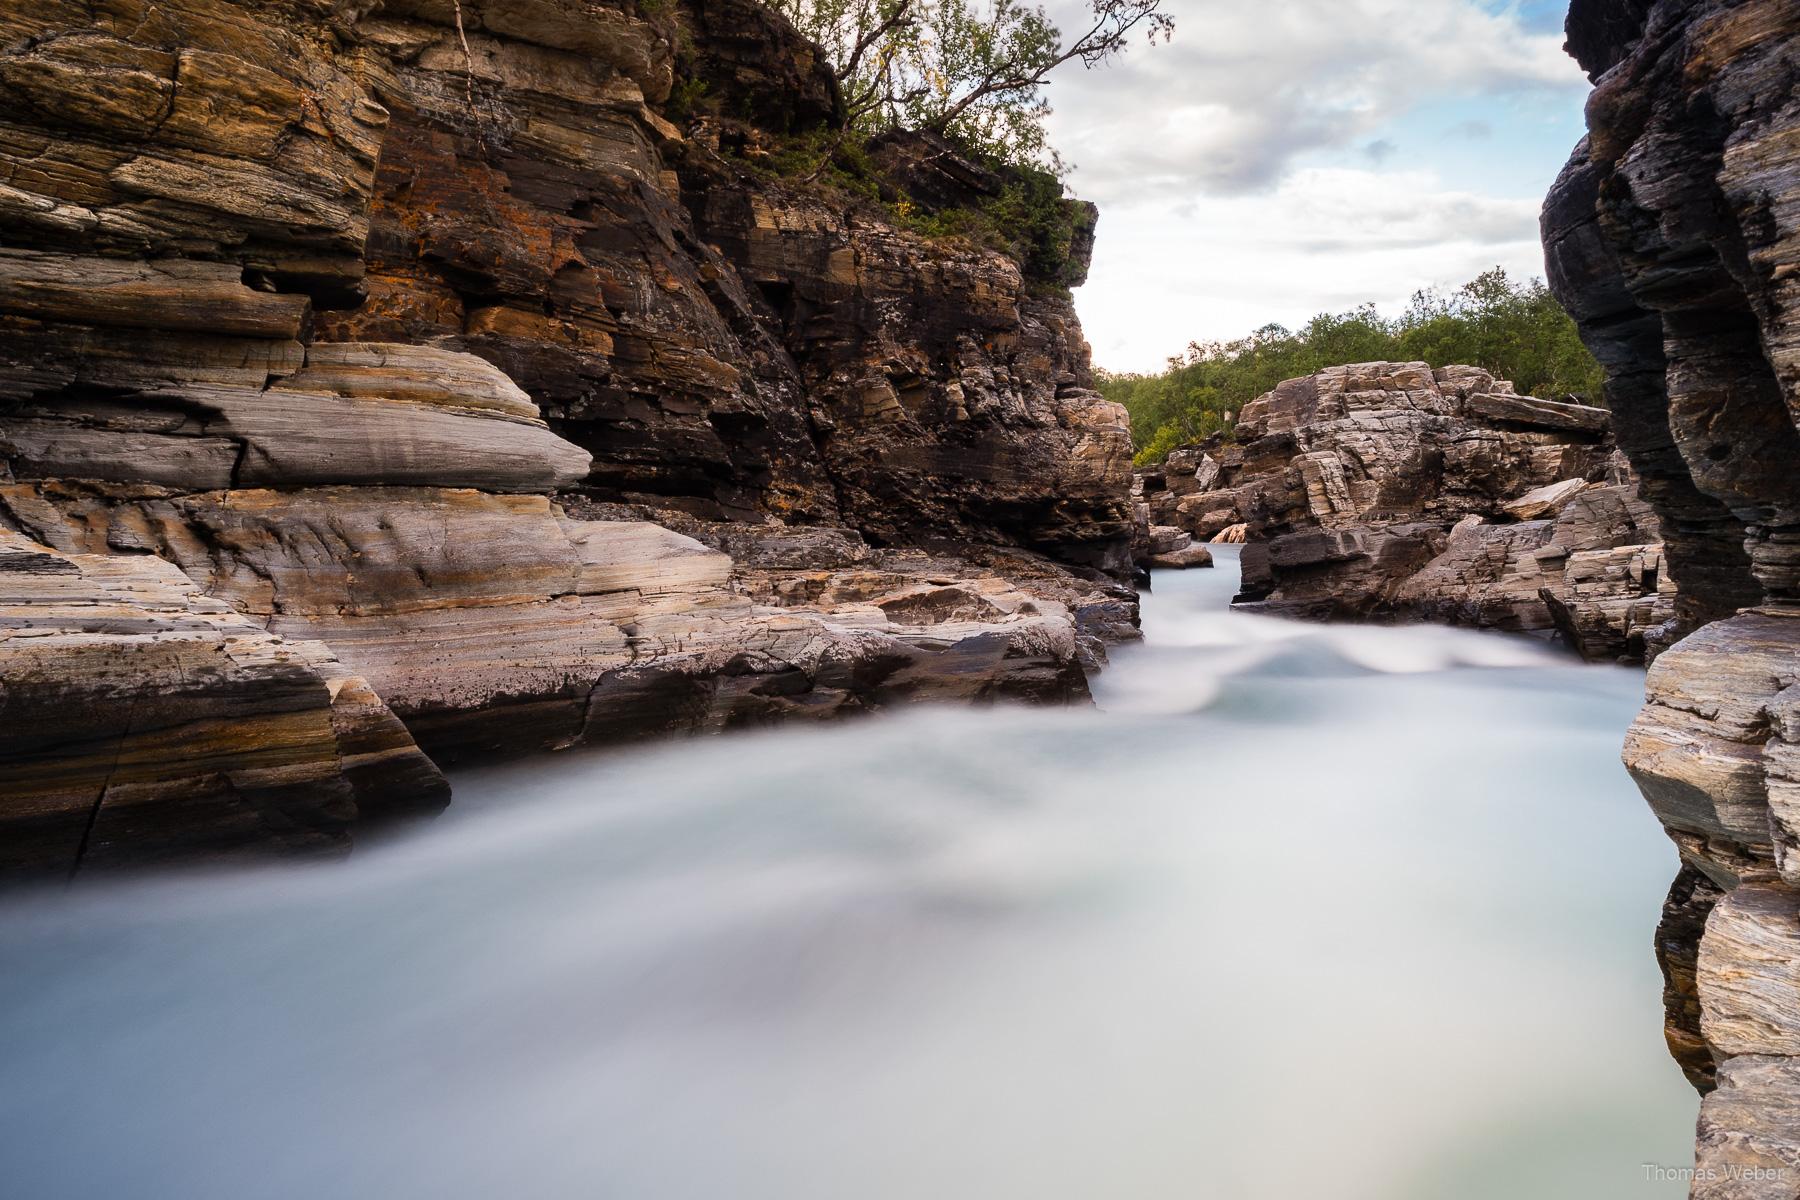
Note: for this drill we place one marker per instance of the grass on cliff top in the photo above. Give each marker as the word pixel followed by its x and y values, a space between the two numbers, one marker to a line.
pixel 1029 221
pixel 1514 330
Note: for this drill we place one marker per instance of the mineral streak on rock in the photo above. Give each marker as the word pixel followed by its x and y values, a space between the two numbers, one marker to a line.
pixel 1392 490
pixel 341 310
pixel 1673 237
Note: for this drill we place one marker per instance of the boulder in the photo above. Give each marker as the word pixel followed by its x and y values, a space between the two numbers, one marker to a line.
pixel 1547 499
pixel 1165 539
pixel 1194 555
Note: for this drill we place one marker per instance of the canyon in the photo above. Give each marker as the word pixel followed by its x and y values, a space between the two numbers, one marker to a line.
pixel 1663 528
pixel 388 387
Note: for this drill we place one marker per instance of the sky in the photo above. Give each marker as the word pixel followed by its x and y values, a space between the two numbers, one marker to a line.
pixel 1279 158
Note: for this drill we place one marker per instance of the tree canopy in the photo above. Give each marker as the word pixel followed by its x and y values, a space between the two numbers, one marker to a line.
pixel 972 70
pixel 1515 330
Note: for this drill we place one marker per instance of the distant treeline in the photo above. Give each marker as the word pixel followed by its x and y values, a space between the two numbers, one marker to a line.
pixel 1515 330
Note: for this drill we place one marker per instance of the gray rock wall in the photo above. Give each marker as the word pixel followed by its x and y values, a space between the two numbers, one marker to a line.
pixel 1673 237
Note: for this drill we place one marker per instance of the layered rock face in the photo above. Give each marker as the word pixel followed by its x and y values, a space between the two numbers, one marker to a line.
pixel 1395 491
pixel 342 310
pixel 1673 236
pixel 142 719
pixel 720 341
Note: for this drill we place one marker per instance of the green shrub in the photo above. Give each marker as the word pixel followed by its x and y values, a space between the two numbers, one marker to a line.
pixel 1517 331
pixel 1029 220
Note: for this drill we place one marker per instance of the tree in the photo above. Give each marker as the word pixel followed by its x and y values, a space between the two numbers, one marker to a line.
pixel 1517 331
pixel 971 70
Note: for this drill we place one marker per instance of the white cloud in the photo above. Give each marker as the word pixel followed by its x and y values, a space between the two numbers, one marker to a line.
pixel 1264 165
pixel 1326 239
pixel 1244 90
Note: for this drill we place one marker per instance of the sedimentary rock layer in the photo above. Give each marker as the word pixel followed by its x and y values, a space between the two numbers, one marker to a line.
pixel 141 719
pixel 339 308
pixel 1673 237
pixel 1392 490
pixel 720 339
pixel 715 337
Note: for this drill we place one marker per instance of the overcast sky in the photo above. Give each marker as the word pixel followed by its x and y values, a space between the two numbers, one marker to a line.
pixel 1283 157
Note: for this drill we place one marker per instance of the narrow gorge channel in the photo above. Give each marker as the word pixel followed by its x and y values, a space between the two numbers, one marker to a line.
pixel 1294 910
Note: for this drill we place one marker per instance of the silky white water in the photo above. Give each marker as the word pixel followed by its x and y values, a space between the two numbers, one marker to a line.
pixel 1298 911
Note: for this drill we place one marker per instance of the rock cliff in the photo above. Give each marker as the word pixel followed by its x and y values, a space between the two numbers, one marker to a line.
pixel 409 332
pixel 1395 491
pixel 1673 237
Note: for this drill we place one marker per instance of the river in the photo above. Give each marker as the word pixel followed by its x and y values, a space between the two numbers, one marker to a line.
pixel 1297 911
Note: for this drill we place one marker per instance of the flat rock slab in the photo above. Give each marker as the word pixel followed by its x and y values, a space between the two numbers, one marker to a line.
pixel 1534 413
pixel 1195 555
pixel 1547 499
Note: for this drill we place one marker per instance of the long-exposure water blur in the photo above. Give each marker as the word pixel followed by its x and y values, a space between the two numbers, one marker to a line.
pixel 1294 911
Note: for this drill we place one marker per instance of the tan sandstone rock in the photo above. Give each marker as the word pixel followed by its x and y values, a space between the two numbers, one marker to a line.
pixel 144 720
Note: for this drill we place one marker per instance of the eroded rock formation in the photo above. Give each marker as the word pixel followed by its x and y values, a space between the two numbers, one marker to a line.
pixel 1392 490
pixel 1673 236
pixel 360 314
pixel 721 341
pixel 142 719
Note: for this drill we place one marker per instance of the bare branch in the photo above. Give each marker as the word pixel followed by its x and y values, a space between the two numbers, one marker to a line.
pixel 971 69
pixel 901 17
pixel 1113 20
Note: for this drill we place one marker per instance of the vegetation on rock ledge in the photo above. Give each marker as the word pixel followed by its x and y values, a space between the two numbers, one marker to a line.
pixel 930 114
pixel 934 188
pixel 972 71
pixel 1515 330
